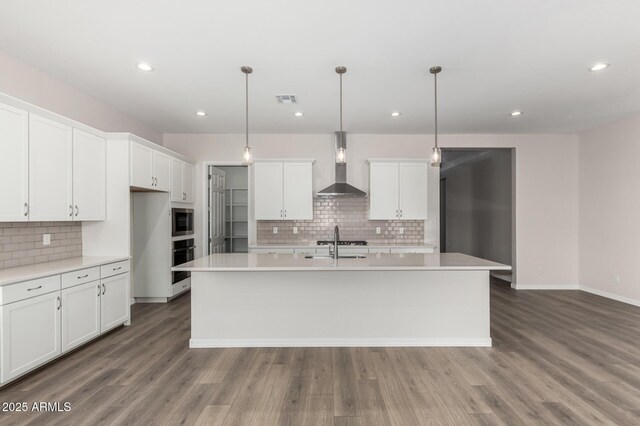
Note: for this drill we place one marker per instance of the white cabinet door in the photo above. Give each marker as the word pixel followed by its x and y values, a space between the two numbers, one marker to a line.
pixel 14 164
pixel 114 301
pixel 383 191
pixel 268 191
pixel 413 191
pixel 189 181
pixel 80 314
pixel 141 172
pixel 30 334
pixel 50 170
pixel 162 171
pixel 89 176
pixel 298 191
pixel 177 180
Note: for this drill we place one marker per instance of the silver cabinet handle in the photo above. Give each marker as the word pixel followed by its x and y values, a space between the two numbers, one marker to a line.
pixel 98 290
pixel 281 213
pixel 285 213
pixel 59 302
pixel 70 210
pixel 104 289
pixel 34 288
pixel 77 210
pixel 83 276
pixel 184 286
pixel 26 209
pixel 118 268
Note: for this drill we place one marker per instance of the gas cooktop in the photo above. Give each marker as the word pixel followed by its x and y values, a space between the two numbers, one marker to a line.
pixel 343 243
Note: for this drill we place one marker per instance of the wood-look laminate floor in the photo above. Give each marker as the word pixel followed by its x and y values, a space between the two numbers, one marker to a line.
pixel 559 357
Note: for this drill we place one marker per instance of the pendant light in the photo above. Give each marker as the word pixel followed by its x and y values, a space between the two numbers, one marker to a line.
pixel 246 156
pixel 436 155
pixel 341 150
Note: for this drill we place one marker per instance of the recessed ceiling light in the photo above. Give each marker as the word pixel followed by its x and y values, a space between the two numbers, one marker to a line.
pixel 599 67
pixel 516 113
pixel 396 114
pixel 144 66
pixel 201 113
pixel 298 114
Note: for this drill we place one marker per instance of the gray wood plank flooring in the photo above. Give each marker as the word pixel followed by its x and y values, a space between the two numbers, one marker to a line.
pixel 559 357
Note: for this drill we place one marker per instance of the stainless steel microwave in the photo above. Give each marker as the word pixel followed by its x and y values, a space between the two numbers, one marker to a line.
pixel 181 222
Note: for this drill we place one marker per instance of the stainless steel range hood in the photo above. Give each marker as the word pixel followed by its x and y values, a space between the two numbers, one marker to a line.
pixel 341 188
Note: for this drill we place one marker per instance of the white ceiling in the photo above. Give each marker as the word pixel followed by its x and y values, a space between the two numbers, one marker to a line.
pixel 497 56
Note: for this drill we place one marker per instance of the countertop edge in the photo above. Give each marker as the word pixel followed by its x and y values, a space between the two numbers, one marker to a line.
pixel 56 267
pixel 345 268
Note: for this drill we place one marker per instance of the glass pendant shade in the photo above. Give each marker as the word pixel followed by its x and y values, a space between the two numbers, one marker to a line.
pixel 341 155
pixel 436 157
pixel 246 156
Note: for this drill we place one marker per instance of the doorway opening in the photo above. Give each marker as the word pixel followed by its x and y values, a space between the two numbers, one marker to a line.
pixel 228 209
pixel 477 205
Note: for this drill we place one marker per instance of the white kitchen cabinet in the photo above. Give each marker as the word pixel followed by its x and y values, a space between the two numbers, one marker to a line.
pixel 150 169
pixel 283 190
pixel 80 314
pixel 50 170
pixel 182 181
pixel 114 301
pixel 141 164
pixel 162 171
pixel 89 175
pixel 14 164
pixel 30 334
pixel 398 190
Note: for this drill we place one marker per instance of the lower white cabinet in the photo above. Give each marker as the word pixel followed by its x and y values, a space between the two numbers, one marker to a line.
pixel 30 334
pixel 44 318
pixel 114 301
pixel 80 314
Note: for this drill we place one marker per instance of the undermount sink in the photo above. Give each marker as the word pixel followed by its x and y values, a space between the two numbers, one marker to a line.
pixel 342 256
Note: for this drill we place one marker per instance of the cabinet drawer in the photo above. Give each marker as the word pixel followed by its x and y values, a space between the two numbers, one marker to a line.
pixel 80 277
pixel 25 290
pixel 180 287
pixel 114 269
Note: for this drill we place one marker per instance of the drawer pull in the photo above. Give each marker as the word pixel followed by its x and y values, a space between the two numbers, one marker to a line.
pixel 118 268
pixel 104 289
pixel 34 288
pixel 84 276
pixel 184 286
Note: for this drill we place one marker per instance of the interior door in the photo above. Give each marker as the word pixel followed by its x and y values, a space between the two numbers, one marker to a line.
pixel 89 176
pixel 298 191
pixel 50 170
pixel 383 191
pixel 268 191
pixel 217 207
pixel 14 164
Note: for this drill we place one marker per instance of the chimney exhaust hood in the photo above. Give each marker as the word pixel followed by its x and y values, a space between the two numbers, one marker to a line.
pixel 341 188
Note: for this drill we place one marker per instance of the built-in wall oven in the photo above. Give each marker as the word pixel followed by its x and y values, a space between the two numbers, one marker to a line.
pixel 181 222
pixel 183 252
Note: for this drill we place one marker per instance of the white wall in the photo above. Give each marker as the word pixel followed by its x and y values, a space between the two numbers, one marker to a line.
pixel 546 184
pixel 29 84
pixel 610 210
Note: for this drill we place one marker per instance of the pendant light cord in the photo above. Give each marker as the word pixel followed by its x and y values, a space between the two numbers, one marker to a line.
pixel 435 97
pixel 246 92
pixel 340 109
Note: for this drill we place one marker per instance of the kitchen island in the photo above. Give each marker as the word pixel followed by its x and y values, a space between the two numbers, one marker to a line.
pixel 279 300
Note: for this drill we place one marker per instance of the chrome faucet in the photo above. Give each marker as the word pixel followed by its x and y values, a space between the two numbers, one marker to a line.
pixel 336 238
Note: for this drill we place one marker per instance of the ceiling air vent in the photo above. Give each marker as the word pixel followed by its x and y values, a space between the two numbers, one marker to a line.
pixel 286 99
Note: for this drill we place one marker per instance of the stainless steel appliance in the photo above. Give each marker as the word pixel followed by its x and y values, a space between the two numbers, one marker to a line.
pixel 183 252
pixel 181 222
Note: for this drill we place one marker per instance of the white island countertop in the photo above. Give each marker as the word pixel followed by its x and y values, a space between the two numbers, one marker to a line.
pixel 241 262
pixel 39 270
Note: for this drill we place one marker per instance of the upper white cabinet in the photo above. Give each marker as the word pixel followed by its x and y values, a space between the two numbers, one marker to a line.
pixel 182 181
pixel 150 169
pixel 14 164
pixel 50 170
pixel 283 190
pixel 89 163
pixel 398 190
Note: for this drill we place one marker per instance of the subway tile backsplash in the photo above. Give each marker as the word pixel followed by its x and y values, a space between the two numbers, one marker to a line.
pixel 351 215
pixel 21 242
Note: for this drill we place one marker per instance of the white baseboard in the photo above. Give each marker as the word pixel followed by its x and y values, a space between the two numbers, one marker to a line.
pixel 132 301
pixel 152 299
pixel 308 343
pixel 545 287
pixel 622 299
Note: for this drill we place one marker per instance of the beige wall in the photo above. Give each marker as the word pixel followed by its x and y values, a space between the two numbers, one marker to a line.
pixel 610 209
pixel 546 184
pixel 29 84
